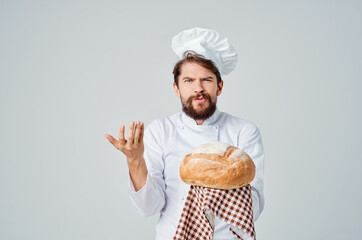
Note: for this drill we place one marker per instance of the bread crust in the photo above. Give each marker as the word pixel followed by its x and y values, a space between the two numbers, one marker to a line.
pixel 232 169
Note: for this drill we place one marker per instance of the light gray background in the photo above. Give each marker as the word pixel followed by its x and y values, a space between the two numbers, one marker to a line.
pixel 71 71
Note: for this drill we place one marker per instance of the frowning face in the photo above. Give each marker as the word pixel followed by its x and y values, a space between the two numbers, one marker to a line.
pixel 198 90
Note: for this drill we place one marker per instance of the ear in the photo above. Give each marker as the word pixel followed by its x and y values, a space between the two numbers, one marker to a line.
pixel 219 88
pixel 177 91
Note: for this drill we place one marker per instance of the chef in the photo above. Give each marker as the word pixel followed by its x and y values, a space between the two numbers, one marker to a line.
pixel 154 154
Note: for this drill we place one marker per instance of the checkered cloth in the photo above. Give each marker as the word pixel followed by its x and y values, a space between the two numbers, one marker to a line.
pixel 232 206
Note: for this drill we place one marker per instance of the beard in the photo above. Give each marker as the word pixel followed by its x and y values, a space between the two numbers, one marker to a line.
pixel 202 114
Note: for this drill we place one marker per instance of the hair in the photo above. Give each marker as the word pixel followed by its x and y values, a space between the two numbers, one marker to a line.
pixel 192 57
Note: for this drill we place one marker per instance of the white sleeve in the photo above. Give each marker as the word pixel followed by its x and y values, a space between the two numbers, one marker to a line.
pixel 150 199
pixel 253 146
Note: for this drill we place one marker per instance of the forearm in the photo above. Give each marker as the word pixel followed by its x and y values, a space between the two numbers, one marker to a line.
pixel 137 172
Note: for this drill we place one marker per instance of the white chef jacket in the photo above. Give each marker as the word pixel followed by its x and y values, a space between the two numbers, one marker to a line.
pixel 167 141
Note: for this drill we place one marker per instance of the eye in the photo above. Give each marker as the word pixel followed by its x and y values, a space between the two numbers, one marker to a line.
pixel 207 79
pixel 188 80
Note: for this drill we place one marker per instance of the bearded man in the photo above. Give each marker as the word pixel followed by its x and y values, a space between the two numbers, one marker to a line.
pixel 154 155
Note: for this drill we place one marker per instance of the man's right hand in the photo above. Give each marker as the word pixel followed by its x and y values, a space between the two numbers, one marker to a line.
pixel 133 148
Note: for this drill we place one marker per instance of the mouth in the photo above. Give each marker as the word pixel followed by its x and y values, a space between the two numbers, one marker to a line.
pixel 199 99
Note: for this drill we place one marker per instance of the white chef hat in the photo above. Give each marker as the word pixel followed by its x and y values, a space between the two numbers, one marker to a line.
pixel 209 44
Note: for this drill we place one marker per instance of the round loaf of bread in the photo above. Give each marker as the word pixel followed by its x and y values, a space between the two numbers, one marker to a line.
pixel 217 165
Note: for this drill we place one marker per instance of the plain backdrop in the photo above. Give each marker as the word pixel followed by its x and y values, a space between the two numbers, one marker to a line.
pixel 73 70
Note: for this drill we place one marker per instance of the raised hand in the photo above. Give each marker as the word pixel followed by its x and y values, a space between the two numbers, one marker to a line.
pixel 133 149
pixel 133 146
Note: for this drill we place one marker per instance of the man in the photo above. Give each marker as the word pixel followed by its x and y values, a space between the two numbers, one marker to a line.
pixel 154 155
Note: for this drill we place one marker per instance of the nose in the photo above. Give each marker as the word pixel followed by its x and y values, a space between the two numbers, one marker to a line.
pixel 198 88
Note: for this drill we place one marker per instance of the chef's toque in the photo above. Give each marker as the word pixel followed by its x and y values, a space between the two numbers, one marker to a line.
pixel 209 44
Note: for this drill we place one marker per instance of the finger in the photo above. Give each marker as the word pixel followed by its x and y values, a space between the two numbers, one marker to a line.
pixel 142 132
pixel 111 139
pixel 121 134
pixel 130 133
pixel 137 133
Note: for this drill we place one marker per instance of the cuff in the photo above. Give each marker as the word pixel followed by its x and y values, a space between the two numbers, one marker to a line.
pixel 131 186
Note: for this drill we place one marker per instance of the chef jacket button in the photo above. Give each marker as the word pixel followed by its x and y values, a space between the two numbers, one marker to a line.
pixel 182 198
pixel 215 127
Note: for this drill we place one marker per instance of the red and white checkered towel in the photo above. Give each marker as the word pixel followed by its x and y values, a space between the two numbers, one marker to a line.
pixel 202 204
